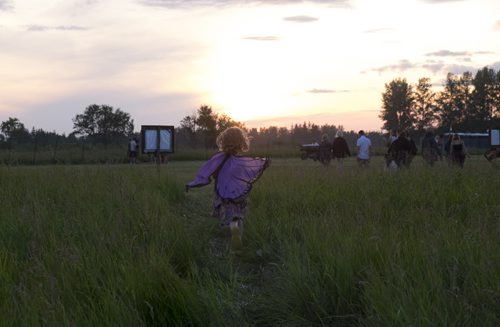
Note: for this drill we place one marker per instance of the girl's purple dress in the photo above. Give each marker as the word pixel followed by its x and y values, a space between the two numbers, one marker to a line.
pixel 234 176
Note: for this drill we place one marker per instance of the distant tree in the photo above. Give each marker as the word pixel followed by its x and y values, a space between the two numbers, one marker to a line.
pixel 102 123
pixel 423 112
pixel 206 121
pixel 188 129
pixel 224 122
pixel 14 130
pixel 207 124
pixel 189 123
pixel 397 101
pixel 485 99
pixel 11 127
pixel 454 102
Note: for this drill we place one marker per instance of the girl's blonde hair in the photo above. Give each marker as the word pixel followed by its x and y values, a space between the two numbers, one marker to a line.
pixel 233 140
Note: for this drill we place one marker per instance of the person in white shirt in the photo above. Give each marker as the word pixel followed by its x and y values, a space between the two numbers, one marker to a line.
pixel 132 150
pixel 364 144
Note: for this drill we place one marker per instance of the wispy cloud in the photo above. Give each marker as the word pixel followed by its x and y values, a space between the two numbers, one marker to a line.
pixel 441 1
pixel 321 91
pixel 380 30
pixel 301 19
pixel 43 28
pixel 496 27
pixel 262 38
pixel 434 66
pixel 5 5
pixel 464 54
pixel 207 3
pixel 448 53
pixel 402 66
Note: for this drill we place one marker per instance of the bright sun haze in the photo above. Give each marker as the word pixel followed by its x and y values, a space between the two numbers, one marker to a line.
pixel 261 63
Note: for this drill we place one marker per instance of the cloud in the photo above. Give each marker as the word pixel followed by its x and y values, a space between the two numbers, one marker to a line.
pixel 301 19
pixel 210 3
pixel 43 28
pixel 496 27
pixel 448 53
pixel 434 66
pixel 380 30
pixel 321 91
pixel 262 38
pixel 440 1
pixel 402 66
pixel 5 5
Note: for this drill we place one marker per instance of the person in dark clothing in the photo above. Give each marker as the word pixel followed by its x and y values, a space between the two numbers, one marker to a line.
pixel 340 149
pixel 457 151
pixel 325 151
pixel 412 152
pixel 447 150
pixel 430 148
pixel 399 150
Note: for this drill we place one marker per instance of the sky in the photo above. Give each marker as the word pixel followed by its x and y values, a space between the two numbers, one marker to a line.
pixel 262 62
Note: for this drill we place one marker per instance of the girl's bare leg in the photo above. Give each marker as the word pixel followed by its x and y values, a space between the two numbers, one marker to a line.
pixel 236 227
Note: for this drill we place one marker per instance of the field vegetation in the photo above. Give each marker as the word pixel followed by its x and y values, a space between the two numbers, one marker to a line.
pixel 125 245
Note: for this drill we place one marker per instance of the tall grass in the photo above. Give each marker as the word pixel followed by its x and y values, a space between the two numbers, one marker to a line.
pixel 420 247
pixel 124 245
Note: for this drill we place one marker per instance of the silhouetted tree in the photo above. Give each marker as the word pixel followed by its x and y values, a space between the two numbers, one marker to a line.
pixel 454 102
pixel 423 112
pixel 102 123
pixel 485 99
pixel 397 101
pixel 207 124
pixel 12 127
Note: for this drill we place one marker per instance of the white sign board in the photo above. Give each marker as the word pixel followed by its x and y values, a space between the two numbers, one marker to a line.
pixel 165 140
pixel 150 140
pixel 495 137
pixel 157 139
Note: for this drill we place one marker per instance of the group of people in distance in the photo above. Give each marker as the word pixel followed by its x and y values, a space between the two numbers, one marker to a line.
pixel 454 150
pixel 339 150
pixel 401 149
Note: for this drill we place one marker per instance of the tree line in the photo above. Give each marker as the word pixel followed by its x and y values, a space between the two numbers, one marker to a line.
pixel 467 103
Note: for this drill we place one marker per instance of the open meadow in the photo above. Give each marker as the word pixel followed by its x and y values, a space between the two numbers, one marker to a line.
pixel 121 245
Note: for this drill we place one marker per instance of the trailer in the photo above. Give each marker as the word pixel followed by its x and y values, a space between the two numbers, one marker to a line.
pixel 493 153
pixel 309 151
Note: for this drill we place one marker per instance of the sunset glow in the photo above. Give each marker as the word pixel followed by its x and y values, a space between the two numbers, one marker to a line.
pixel 260 63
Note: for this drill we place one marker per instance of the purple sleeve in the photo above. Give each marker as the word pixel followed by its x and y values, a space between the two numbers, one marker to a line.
pixel 206 171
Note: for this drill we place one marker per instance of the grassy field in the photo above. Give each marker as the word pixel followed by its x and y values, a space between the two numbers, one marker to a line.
pixel 124 245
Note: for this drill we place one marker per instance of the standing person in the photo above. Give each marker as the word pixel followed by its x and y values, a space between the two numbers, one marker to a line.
pixel 363 144
pixel 340 149
pixel 392 137
pixel 412 152
pixel 457 151
pixel 440 143
pixel 447 150
pixel 430 148
pixel 234 175
pixel 132 150
pixel 400 149
pixel 325 151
